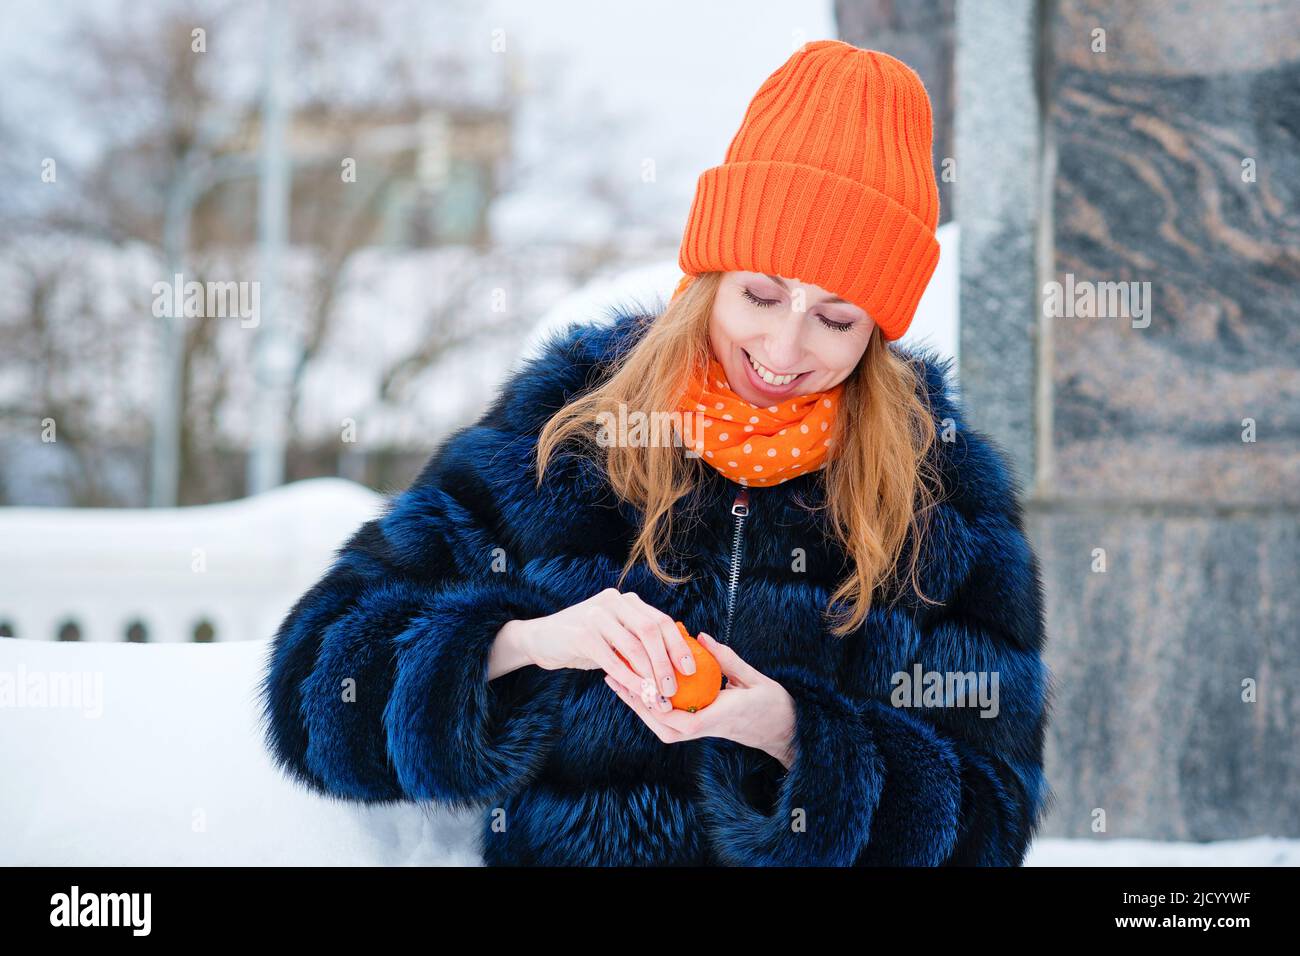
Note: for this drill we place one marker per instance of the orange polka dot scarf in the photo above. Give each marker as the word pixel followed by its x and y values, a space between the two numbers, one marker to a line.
pixel 753 444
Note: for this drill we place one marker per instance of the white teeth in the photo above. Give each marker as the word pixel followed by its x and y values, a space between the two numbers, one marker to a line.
pixel 770 377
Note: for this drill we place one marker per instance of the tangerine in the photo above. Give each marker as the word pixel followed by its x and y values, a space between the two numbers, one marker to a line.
pixel 694 691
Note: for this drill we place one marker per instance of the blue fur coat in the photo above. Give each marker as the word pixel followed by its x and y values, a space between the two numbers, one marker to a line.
pixel 564 772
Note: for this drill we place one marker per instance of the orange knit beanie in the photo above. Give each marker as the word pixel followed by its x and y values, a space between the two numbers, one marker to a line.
pixel 830 181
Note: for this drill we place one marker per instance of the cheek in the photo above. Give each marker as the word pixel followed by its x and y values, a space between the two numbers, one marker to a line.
pixel 726 330
pixel 841 358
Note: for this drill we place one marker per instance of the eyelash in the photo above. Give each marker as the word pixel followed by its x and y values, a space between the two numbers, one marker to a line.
pixel 764 303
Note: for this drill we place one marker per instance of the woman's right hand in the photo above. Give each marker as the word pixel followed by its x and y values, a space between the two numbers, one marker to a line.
pixel 586 635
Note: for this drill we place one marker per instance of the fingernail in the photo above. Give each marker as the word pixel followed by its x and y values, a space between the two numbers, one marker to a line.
pixel 668 686
pixel 664 703
pixel 688 664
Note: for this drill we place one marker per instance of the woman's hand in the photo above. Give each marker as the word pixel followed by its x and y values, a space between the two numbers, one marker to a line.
pixel 752 710
pixel 586 635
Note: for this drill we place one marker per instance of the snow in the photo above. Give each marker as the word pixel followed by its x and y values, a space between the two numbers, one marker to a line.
pixel 1255 851
pixel 167 766
pixel 174 772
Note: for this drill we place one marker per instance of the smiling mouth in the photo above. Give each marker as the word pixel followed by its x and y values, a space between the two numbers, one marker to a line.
pixel 770 377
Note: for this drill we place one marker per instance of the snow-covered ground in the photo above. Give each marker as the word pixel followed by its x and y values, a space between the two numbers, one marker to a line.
pixel 160 760
pixel 1257 851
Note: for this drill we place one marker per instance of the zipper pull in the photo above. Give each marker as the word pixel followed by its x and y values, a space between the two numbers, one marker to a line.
pixel 740 507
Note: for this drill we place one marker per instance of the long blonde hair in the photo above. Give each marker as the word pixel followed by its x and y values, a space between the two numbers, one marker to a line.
pixel 880 487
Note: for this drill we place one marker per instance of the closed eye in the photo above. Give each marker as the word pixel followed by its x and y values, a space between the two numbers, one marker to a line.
pixel 764 303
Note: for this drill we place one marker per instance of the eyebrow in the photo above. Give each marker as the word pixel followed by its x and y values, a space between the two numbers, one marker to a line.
pixel 782 283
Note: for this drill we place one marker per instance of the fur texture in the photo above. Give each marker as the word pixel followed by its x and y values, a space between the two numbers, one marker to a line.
pixel 410 608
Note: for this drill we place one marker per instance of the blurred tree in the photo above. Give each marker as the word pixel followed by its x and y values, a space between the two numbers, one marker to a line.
pixel 170 95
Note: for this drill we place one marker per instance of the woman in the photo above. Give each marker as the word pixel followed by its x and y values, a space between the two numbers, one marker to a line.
pixel 821 506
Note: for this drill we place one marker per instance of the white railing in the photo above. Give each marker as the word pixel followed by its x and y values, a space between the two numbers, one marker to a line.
pixel 223 572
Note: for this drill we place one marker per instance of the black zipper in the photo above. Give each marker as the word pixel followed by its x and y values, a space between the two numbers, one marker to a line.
pixel 739 508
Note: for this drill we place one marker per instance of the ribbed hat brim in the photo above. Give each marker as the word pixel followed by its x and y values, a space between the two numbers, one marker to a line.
pixel 818 227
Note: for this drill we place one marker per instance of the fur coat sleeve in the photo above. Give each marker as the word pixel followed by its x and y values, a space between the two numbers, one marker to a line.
pixel 377 688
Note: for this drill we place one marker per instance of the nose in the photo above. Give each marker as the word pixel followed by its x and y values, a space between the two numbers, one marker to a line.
pixel 784 341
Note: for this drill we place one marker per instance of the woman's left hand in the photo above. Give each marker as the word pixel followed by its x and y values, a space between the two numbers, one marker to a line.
pixel 752 709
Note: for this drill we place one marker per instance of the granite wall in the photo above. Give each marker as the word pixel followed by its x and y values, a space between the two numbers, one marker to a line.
pixel 1127 180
